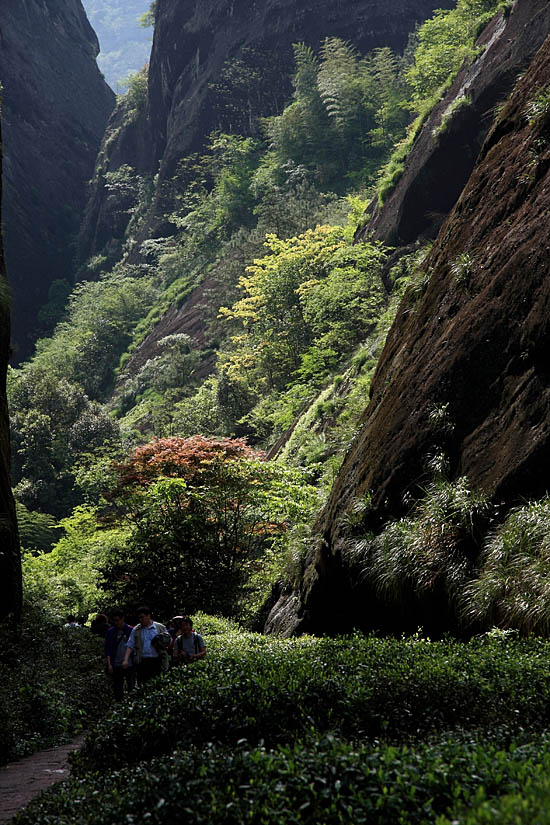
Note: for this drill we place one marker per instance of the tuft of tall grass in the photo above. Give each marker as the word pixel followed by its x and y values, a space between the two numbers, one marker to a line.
pixel 539 108
pixel 512 589
pixel 433 548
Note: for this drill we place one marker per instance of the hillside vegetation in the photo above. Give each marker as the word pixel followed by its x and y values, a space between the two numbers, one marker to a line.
pixel 175 438
pixel 292 316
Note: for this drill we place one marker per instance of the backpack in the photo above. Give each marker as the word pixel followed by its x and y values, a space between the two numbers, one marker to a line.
pixel 178 645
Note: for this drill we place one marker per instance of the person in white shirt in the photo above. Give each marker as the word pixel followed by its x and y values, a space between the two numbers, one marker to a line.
pixel 150 641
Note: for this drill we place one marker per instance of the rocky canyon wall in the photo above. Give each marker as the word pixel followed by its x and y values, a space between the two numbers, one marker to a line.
pixel 10 563
pixel 56 106
pixel 473 345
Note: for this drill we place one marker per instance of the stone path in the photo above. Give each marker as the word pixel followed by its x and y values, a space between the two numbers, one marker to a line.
pixel 21 781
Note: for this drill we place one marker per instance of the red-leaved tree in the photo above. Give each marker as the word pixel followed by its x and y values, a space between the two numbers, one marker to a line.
pixel 202 511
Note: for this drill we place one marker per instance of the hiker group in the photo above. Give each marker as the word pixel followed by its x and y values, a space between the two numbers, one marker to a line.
pixel 135 655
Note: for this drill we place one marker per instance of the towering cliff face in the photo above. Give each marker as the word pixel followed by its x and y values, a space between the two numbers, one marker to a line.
pixel 56 106
pixel 204 48
pixel 10 563
pixel 475 345
pixel 445 151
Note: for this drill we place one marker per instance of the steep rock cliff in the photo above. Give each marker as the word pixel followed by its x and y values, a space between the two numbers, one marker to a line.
pixel 445 151
pixel 56 106
pixel 204 48
pixel 476 345
pixel 10 563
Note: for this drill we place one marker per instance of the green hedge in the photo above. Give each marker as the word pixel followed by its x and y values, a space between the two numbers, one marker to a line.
pixel 53 684
pixel 328 782
pixel 259 689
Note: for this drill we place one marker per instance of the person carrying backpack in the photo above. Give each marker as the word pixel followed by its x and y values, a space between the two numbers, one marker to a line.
pixel 149 641
pixel 189 645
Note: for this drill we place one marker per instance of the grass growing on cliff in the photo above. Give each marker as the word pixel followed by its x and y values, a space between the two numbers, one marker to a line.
pixel 431 551
pixel 512 587
pixel 453 545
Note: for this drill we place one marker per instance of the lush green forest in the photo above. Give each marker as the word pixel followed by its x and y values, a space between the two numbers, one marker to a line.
pixel 124 42
pixel 294 315
pixel 191 478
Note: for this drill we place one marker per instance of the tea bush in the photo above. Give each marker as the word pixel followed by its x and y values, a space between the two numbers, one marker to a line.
pixel 326 782
pixel 272 691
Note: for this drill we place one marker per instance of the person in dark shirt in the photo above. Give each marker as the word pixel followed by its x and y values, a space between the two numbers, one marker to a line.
pixel 188 645
pixel 115 648
pixel 100 625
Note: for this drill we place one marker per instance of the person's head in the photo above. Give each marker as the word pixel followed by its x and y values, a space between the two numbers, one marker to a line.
pixel 144 616
pixel 186 625
pixel 101 618
pixel 117 618
pixel 71 619
pixel 176 622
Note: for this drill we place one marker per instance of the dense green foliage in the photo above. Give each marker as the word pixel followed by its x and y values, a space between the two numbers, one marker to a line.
pixel 346 116
pixel 354 687
pixel 206 517
pixel 294 316
pixel 344 730
pixel 53 684
pixel 181 524
pixel 326 781
pixel 325 295
pixel 316 731
pixel 69 577
pixel 53 424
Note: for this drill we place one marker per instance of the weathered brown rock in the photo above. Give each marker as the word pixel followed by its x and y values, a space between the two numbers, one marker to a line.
pixel 478 342
pixel 10 562
pixel 441 159
pixel 56 106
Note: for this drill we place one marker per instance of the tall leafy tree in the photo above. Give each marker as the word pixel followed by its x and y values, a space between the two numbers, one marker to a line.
pixel 202 512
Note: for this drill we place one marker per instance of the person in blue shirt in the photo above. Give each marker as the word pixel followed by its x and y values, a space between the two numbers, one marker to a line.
pixel 149 641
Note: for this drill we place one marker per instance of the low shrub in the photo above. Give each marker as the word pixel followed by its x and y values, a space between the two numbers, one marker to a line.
pixel 328 781
pixel 53 685
pixel 261 689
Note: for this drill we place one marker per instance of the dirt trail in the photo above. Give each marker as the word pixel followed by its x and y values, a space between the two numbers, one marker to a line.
pixel 21 781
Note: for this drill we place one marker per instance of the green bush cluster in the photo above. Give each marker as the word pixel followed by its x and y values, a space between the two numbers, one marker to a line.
pixel 327 731
pixel 274 691
pixel 53 684
pixel 327 781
